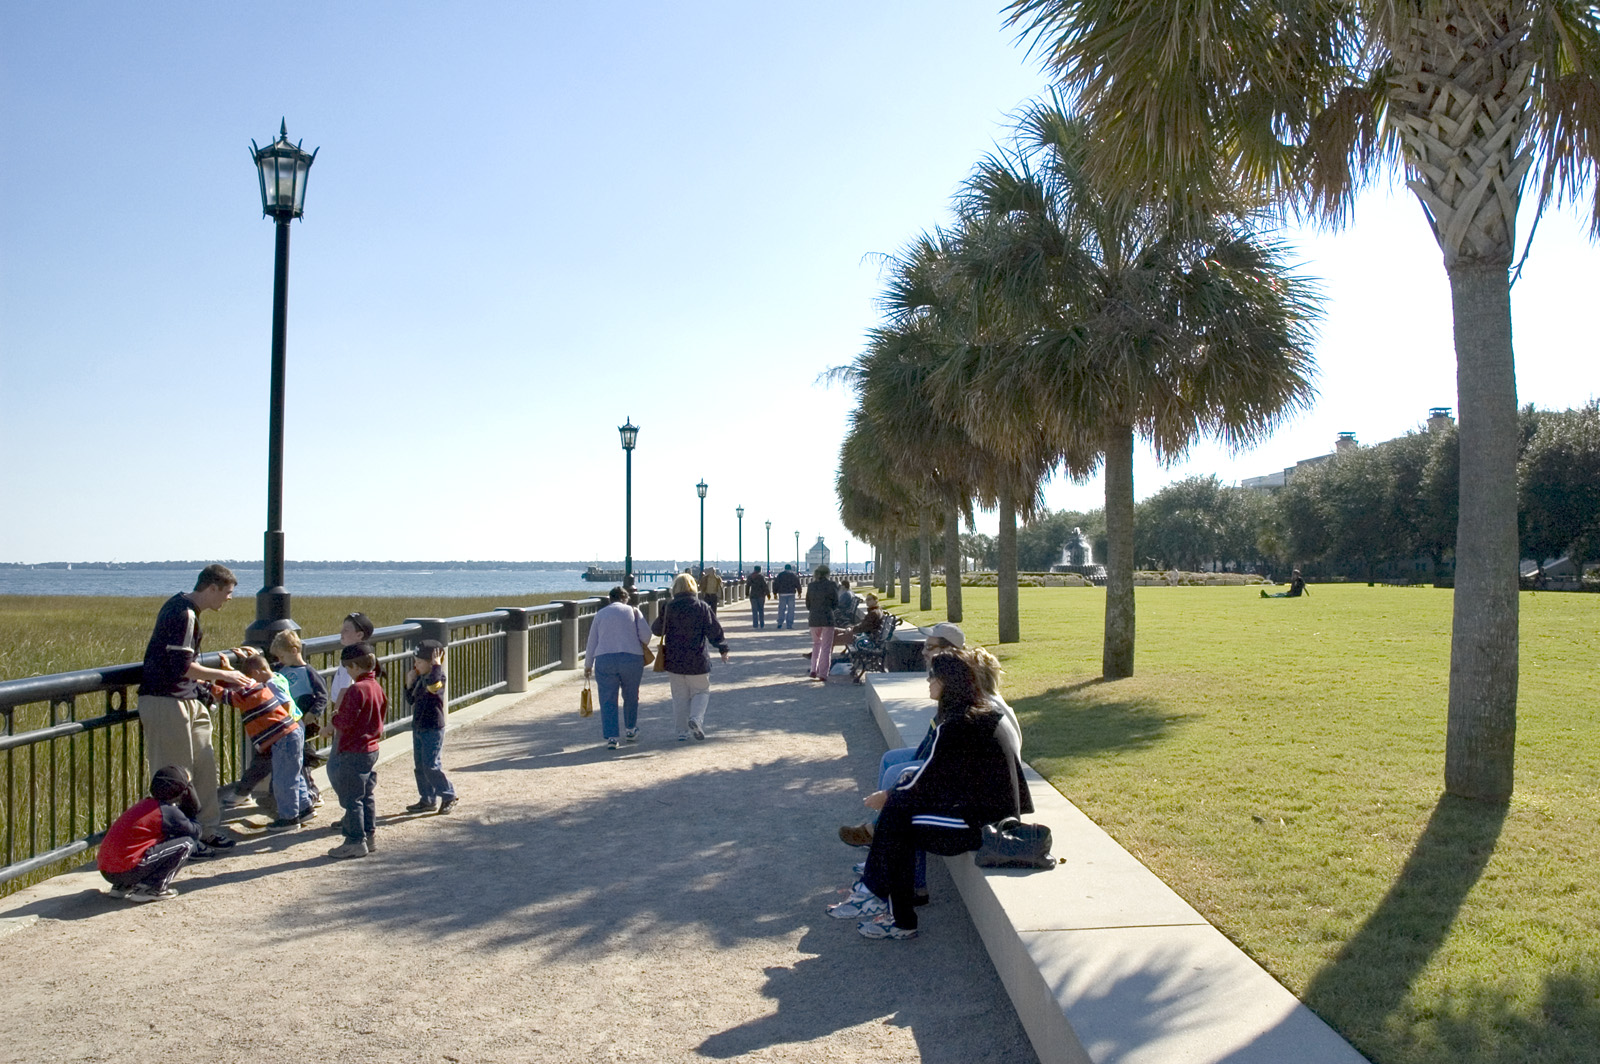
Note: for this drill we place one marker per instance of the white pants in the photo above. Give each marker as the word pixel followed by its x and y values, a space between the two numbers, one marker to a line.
pixel 690 695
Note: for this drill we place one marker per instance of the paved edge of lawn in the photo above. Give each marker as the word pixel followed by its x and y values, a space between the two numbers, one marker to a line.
pixel 1102 960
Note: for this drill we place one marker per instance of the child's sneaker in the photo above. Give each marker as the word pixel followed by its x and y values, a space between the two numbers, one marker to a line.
pixel 612 744
pixel 425 805
pixel 631 735
pixel 118 892
pixel 143 894
pixel 447 805
pixel 860 902
pixel 284 823
pixel 695 730
pixel 350 848
pixel 882 926
pixel 229 798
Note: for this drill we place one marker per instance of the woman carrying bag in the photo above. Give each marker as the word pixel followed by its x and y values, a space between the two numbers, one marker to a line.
pixel 685 625
pixel 614 657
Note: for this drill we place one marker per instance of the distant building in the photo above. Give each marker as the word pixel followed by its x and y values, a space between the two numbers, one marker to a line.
pixel 1439 420
pixel 817 555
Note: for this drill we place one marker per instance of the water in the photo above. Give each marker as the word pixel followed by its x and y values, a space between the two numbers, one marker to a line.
pixel 376 583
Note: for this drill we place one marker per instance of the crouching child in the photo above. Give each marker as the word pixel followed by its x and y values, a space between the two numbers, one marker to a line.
pixel 353 768
pixel 425 689
pixel 150 842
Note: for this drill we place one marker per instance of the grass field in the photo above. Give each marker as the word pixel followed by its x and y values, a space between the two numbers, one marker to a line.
pixel 41 634
pixel 1279 763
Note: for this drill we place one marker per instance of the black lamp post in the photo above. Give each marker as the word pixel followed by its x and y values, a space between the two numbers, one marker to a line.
pixel 769 549
pixel 739 512
pixel 282 168
pixel 797 550
pixel 630 437
pixel 700 490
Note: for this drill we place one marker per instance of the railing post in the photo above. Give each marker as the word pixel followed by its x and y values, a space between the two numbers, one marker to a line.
pixel 435 628
pixel 569 632
pixel 516 649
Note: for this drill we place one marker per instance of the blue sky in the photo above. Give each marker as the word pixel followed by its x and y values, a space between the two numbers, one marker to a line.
pixel 526 222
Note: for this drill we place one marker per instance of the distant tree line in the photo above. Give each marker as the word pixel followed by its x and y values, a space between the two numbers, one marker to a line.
pixel 1366 512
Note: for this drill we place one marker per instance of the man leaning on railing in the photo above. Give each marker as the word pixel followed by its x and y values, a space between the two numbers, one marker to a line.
pixel 176 723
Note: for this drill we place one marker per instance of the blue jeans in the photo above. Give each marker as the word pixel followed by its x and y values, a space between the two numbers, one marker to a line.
pixel 355 780
pixel 288 782
pixel 785 611
pixel 614 674
pixel 758 613
pixel 427 759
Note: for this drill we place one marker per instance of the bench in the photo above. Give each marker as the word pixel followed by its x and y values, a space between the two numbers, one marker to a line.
pixel 1103 961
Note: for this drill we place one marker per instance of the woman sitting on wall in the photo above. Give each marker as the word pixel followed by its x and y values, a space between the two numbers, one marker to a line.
pixel 966 781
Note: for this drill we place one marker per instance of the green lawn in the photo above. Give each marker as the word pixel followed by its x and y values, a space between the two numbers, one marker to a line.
pixel 1279 763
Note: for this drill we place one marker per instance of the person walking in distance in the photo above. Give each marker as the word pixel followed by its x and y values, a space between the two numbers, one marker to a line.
pixel 786 585
pixel 175 721
pixel 711 588
pixel 686 625
pixel 821 598
pixel 758 589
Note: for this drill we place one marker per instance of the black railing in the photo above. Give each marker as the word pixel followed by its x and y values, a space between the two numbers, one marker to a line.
pixel 72 750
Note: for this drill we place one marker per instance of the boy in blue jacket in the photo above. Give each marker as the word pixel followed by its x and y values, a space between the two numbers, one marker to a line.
pixel 425 691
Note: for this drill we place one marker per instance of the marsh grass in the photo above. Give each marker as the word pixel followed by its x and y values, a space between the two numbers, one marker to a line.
pixel 1279 763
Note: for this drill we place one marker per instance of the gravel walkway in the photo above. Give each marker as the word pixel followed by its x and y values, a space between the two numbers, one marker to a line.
pixel 660 903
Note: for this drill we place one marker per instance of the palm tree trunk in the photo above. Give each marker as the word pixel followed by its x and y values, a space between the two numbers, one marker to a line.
pixel 1481 733
pixel 1010 624
pixel 1116 660
pixel 905 568
pixel 952 565
pixel 877 567
pixel 925 579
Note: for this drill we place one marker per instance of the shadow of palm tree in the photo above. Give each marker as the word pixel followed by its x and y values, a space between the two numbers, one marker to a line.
pixel 1077 722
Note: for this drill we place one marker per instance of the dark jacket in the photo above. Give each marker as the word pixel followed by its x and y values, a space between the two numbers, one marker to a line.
pixel 967 773
pixel 686 625
pixel 425 696
pixel 786 583
pixel 821 597
pixel 755 586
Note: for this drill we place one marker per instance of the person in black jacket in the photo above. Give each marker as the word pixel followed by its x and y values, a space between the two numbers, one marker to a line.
pixel 968 780
pixel 786 585
pixel 685 625
pixel 821 597
pixel 756 587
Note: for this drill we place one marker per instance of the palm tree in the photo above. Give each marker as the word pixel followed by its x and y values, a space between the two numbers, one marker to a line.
pixel 1125 323
pixel 1306 102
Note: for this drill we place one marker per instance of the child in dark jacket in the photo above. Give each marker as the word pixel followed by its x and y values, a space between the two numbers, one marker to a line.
pixel 149 842
pixel 425 690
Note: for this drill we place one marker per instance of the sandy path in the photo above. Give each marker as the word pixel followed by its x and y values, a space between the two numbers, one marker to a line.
pixel 664 903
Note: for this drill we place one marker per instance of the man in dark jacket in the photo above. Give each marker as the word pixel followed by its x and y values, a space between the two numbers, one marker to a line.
pixel 756 587
pixel 786 585
pixel 821 598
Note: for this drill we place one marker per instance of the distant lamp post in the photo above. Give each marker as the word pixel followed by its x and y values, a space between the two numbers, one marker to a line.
pixel 797 550
pixel 739 512
pixel 769 548
pixel 700 490
pixel 282 168
pixel 630 437
pixel 847 559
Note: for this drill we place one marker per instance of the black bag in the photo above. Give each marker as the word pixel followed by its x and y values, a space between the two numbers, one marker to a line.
pixel 1010 843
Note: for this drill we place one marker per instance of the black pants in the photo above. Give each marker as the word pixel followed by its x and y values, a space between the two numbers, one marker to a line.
pixel 892 862
pixel 156 868
pixel 710 598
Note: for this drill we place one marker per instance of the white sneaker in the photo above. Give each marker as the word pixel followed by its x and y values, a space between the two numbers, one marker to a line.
pixel 631 735
pixel 695 730
pixel 864 909
pixel 683 737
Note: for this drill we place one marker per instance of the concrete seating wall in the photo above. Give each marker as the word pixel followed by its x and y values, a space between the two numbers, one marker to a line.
pixel 1103 961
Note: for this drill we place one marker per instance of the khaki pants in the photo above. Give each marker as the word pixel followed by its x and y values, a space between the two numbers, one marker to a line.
pixel 177 731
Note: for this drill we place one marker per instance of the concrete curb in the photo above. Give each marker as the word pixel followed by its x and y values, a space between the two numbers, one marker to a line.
pixel 1102 960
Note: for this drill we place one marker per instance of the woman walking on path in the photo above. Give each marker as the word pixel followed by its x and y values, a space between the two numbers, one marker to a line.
pixel 686 625
pixel 711 588
pixel 821 599
pixel 615 653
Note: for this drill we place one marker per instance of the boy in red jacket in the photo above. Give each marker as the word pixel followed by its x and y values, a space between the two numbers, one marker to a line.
pixel 353 768
pixel 147 845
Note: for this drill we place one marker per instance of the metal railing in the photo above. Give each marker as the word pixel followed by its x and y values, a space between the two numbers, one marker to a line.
pixel 72 749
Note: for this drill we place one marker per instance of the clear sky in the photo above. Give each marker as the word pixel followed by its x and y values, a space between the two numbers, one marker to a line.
pixel 527 222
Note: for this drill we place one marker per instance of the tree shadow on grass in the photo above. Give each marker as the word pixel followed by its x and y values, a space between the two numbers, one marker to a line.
pixel 1080 721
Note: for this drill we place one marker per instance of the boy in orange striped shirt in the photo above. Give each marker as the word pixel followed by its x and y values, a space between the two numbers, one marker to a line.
pixel 267 711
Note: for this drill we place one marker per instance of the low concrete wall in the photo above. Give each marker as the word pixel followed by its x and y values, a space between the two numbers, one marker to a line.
pixel 1103 961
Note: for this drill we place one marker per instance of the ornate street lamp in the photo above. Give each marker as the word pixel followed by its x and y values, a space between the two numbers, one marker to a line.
pixel 630 437
pixel 282 168
pixel 769 550
pixel 739 510
pixel 700 490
